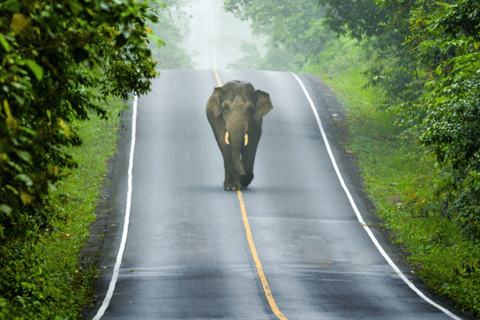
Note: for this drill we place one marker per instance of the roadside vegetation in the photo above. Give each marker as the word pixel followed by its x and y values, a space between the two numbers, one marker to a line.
pixel 407 74
pixel 59 287
pixel 173 25
pixel 66 68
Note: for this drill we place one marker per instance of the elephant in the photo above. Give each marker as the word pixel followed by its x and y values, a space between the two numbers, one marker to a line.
pixel 235 112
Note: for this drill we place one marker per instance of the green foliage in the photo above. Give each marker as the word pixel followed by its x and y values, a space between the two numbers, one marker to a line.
pixel 359 19
pixel 450 47
pixel 250 59
pixel 430 80
pixel 445 41
pixel 380 28
pixel 402 180
pixel 287 22
pixel 278 58
pixel 170 54
pixel 294 29
pixel 58 287
pixel 53 54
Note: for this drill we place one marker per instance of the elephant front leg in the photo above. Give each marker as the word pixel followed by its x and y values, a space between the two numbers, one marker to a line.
pixel 232 178
pixel 232 181
pixel 249 152
pixel 248 158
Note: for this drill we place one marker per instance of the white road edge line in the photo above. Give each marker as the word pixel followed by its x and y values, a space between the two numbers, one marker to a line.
pixel 359 216
pixel 116 269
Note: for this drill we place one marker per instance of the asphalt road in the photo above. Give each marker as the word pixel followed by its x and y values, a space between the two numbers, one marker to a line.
pixel 187 254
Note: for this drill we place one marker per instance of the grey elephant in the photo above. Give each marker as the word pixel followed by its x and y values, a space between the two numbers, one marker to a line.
pixel 235 112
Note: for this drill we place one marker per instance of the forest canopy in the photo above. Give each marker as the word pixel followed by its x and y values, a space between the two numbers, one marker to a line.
pixel 54 54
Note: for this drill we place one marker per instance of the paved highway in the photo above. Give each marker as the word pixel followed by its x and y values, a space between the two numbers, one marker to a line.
pixel 187 253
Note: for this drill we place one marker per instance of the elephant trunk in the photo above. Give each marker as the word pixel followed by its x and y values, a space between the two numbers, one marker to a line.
pixel 237 127
pixel 239 165
pixel 235 150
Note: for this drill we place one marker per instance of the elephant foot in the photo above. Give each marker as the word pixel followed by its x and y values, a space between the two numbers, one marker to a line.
pixel 232 184
pixel 233 188
pixel 246 179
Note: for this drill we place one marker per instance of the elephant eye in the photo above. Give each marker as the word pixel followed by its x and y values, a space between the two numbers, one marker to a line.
pixel 246 139
pixel 227 138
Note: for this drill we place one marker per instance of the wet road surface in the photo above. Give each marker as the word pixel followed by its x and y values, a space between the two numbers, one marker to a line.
pixel 187 254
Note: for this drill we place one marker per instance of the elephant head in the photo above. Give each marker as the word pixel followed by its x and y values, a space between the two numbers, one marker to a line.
pixel 235 112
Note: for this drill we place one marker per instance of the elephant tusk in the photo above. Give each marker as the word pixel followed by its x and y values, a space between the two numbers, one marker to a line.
pixel 227 139
pixel 246 139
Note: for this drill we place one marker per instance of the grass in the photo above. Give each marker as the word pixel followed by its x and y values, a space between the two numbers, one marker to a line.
pixel 58 288
pixel 77 197
pixel 401 178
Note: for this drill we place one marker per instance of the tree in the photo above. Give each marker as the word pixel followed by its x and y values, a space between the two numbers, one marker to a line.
pixel 380 28
pixel 171 54
pixel 445 41
pixel 54 54
pixel 359 19
pixel 295 25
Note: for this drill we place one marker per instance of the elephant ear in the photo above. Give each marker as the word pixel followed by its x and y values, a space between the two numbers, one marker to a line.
pixel 214 102
pixel 263 104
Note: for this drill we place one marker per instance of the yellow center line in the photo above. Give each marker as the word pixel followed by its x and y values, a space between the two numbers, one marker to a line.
pixel 266 287
pixel 258 264
pixel 218 78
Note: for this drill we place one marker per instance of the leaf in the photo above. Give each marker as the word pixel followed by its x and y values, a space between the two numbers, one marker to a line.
pixel 76 7
pixel 19 22
pixel 35 68
pixel 135 39
pixel 155 38
pixel 26 179
pixel 9 187
pixel 25 197
pixel 25 156
pixel 20 98
pixel 11 122
pixel 6 209
pixel 11 5
pixel 28 130
pixel 65 128
pixel 51 187
pixel 105 6
pixel 4 42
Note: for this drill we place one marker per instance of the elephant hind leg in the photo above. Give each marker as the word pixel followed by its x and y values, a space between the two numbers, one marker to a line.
pixel 246 179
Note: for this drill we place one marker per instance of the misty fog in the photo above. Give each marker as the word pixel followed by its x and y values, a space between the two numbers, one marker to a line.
pixel 214 37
